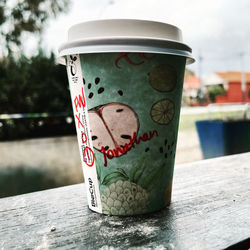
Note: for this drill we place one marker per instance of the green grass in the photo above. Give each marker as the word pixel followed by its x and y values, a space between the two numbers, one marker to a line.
pixel 187 122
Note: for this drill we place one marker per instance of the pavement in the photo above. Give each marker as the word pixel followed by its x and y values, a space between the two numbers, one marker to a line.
pixel 188 147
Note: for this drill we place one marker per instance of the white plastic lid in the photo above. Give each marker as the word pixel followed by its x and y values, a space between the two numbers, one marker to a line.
pixel 125 35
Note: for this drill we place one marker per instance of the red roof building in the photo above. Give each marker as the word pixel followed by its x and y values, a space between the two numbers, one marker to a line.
pixel 234 92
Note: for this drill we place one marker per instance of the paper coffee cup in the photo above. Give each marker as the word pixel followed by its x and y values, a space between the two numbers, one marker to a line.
pixel 126 79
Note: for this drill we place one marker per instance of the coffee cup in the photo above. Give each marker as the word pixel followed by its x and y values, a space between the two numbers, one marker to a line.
pixel 126 80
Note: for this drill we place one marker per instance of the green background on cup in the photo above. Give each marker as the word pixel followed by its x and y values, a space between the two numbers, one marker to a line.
pixel 127 81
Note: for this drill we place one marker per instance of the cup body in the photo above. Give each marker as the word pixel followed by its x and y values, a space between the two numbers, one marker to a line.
pixel 126 108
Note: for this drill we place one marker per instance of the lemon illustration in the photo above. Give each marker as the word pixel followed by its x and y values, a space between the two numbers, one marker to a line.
pixel 163 78
pixel 162 112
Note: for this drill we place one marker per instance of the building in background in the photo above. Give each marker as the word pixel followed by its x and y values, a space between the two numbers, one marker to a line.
pixel 230 82
pixel 190 89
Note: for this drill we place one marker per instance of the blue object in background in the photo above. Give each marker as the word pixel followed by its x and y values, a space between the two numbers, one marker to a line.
pixel 211 136
pixel 218 138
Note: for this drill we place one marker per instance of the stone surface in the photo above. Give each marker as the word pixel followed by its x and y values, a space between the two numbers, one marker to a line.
pixel 209 210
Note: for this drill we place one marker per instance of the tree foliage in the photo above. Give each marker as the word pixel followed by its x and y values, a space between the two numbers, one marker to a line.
pixel 35 84
pixel 214 91
pixel 25 16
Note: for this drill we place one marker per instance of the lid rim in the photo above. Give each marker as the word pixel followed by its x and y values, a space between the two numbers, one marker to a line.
pixel 136 41
pixel 126 48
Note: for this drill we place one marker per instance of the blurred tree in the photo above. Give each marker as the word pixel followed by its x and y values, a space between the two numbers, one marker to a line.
pixel 35 84
pixel 214 91
pixel 19 16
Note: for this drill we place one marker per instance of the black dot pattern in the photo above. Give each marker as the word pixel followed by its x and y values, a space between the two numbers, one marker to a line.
pixel 125 136
pixel 167 149
pixel 100 90
pixel 147 149
pixel 97 80
pixel 120 92
pixel 119 110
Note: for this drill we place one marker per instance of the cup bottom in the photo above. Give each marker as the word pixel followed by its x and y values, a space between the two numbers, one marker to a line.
pixel 166 202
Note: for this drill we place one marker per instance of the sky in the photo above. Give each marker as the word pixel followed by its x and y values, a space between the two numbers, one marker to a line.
pixel 218 31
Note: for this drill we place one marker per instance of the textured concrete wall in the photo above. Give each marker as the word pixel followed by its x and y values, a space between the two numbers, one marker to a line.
pixel 58 156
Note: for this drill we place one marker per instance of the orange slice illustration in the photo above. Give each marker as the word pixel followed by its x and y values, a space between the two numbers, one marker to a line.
pixel 162 112
pixel 163 78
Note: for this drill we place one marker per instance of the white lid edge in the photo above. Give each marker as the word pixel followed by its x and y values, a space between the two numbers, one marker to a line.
pixel 123 28
pixel 116 49
pixel 124 35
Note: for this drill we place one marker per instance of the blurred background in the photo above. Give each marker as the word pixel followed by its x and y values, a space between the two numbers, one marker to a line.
pixel 38 145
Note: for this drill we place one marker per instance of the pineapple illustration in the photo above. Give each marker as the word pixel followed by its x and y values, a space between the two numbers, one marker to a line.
pixel 124 198
pixel 129 194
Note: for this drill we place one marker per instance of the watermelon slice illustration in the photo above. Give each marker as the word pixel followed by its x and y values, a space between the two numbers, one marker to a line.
pixel 112 126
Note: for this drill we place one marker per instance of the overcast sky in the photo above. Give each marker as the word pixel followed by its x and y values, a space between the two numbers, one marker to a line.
pixel 216 30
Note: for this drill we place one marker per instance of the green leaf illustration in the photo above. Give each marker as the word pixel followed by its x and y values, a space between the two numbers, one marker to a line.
pixel 115 176
pixel 137 171
pixel 155 181
pixel 152 178
pixel 121 171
